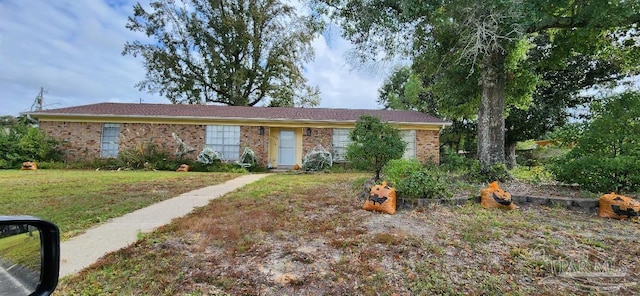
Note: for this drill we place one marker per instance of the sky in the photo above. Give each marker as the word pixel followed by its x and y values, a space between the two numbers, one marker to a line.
pixel 72 49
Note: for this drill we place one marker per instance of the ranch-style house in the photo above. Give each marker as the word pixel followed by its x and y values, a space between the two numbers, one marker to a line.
pixel 280 137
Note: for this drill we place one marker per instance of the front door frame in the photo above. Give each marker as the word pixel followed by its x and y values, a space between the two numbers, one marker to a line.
pixel 286 152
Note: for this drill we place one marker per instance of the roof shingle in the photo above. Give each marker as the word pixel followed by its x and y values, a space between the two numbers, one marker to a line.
pixel 239 112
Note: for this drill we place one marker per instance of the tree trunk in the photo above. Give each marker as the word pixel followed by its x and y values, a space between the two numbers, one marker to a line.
pixel 491 112
pixel 510 157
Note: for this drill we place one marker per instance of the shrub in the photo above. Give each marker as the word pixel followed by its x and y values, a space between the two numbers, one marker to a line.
pixel 452 161
pixel 413 180
pixel 607 155
pixel 601 174
pixel 424 184
pixel 20 141
pixel 52 165
pixel 398 169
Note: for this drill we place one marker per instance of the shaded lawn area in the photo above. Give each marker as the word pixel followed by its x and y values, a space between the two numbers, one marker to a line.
pixel 77 199
pixel 306 235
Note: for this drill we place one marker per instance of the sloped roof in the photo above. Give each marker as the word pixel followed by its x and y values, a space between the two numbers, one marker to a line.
pixel 237 112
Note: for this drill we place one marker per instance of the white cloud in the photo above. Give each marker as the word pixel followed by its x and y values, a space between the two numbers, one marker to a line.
pixel 73 49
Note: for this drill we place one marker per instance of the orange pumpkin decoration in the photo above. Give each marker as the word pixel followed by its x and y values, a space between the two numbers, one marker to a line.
pixel 28 166
pixel 183 168
pixel 382 198
pixel 494 197
pixel 296 167
pixel 618 207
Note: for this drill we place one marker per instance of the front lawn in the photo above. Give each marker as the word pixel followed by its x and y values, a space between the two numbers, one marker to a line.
pixel 22 249
pixel 76 200
pixel 306 235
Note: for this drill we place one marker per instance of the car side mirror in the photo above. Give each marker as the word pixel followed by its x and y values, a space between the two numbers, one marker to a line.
pixel 29 256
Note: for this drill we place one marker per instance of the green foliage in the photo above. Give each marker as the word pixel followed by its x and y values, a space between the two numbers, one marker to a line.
pixel 480 174
pixel 540 156
pixel 600 174
pixel 567 135
pixel 52 165
pixel 397 169
pixel 461 135
pixel 534 175
pixel 404 90
pixel 413 180
pixel 20 141
pixel 607 156
pixel 452 161
pixel 373 144
pixel 497 52
pixel 230 52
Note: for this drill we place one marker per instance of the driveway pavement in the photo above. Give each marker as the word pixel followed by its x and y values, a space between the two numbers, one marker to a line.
pixel 83 250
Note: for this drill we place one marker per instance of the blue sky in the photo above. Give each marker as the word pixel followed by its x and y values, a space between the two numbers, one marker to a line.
pixel 72 49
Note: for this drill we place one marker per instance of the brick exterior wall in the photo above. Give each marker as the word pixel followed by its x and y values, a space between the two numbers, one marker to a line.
pixel 319 136
pixel 250 137
pixel 428 145
pixel 82 140
pixel 134 134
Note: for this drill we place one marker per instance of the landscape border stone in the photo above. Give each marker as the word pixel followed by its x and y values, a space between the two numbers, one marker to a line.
pixel 583 205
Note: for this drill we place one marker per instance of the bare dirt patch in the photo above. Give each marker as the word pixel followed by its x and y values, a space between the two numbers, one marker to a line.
pixel 306 235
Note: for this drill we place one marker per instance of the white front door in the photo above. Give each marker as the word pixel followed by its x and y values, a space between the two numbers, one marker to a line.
pixel 287 150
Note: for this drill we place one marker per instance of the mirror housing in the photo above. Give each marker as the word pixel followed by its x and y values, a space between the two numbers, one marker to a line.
pixel 49 250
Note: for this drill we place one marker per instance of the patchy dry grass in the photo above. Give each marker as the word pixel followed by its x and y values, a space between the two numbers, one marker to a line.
pixel 306 235
pixel 76 200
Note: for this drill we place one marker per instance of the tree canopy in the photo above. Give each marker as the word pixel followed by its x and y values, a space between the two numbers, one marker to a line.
pixel 473 54
pixel 233 52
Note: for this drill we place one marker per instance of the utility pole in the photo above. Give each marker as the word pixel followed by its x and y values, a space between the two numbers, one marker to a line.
pixel 37 103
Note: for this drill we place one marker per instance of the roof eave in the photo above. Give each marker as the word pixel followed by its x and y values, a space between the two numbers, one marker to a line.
pixel 213 118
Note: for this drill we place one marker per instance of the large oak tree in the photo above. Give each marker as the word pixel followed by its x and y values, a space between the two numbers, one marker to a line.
pixel 233 52
pixel 473 47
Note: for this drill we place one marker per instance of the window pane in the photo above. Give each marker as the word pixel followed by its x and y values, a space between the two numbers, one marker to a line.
pixel 409 137
pixel 110 140
pixel 224 139
pixel 340 142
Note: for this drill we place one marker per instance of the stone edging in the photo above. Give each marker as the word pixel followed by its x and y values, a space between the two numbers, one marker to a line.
pixel 583 205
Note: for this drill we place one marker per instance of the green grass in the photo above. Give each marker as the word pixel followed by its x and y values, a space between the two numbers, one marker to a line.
pixel 311 230
pixel 22 249
pixel 76 200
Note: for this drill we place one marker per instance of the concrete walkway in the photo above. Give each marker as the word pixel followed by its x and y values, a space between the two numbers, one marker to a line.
pixel 83 250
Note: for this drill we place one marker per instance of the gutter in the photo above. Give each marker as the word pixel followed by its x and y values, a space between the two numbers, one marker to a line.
pixel 233 119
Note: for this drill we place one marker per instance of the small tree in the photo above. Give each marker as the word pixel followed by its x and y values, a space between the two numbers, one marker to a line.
pixel 607 155
pixel 21 141
pixel 374 143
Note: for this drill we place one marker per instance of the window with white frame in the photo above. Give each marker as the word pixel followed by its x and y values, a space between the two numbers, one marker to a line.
pixel 224 139
pixel 110 140
pixel 340 142
pixel 409 137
